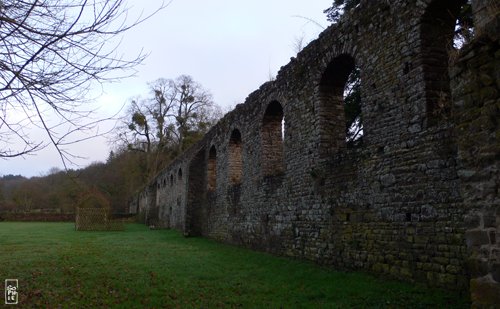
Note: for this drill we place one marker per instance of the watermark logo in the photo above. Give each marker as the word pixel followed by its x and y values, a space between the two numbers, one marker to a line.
pixel 11 291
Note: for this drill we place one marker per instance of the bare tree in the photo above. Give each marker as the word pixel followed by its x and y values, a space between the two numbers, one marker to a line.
pixel 139 135
pixel 147 124
pixel 192 100
pixel 51 53
pixel 176 110
pixel 176 114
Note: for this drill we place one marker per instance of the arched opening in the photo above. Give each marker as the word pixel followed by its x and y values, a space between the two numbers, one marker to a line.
pixel 171 180
pixel 438 32
pixel 272 133
pixel 339 111
pixel 235 162
pixel 212 169
pixel 352 108
pixel 179 174
pixel 464 26
pixel 195 220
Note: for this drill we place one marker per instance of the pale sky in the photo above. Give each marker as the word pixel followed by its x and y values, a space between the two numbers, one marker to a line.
pixel 230 47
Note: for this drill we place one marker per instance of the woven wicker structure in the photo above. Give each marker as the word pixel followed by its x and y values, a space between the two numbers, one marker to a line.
pixel 93 213
pixel 96 219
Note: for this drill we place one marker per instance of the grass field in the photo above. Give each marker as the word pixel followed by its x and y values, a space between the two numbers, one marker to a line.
pixel 140 268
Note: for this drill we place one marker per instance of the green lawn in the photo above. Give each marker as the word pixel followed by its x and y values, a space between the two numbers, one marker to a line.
pixel 140 268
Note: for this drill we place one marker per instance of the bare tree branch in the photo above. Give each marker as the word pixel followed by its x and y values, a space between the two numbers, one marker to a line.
pixel 51 54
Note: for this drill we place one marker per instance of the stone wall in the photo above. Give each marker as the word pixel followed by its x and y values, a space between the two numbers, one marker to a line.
pixel 416 198
pixel 476 83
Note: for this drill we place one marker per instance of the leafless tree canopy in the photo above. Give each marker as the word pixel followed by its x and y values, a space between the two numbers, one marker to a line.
pixel 51 53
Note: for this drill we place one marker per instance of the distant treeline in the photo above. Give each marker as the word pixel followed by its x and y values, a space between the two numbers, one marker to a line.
pixel 60 191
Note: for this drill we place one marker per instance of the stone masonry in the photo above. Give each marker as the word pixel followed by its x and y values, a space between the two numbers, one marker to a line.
pixel 417 199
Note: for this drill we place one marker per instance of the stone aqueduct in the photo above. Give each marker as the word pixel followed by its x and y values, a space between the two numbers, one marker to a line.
pixel 416 200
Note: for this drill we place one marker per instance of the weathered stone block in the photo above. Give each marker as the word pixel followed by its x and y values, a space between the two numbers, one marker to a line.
pixel 394 271
pixel 472 221
pixel 452 269
pixel 466 174
pixel 477 267
pixel 488 93
pixel 406 273
pixel 441 260
pixel 476 238
pixel 495 271
pixel 484 293
pixel 486 79
pixel 489 221
pixel 428 212
pixel 446 279
pixel 387 180
pixel 492 235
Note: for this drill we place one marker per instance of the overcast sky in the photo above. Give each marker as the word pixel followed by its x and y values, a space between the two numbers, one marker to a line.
pixel 230 47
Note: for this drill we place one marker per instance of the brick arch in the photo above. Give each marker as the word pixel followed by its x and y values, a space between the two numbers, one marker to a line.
pixel 212 169
pixel 272 135
pixel 330 115
pixel 194 224
pixel 235 148
pixel 437 26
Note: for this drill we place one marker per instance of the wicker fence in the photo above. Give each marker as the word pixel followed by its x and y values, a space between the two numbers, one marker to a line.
pixel 96 219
